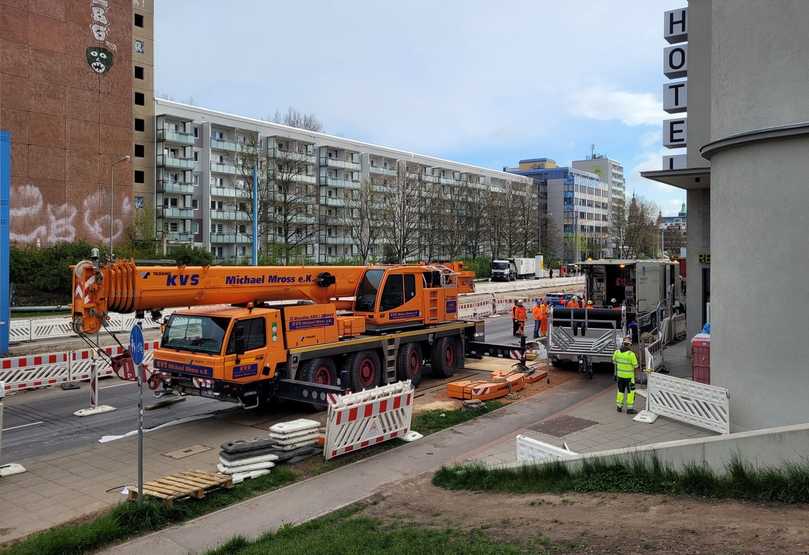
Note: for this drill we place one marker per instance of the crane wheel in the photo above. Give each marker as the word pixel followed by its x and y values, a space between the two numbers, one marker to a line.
pixel 410 363
pixel 364 370
pixel 320 370
pixel 445 357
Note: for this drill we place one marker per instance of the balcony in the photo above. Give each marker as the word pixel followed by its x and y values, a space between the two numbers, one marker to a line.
pixel 332 201
pixel 176 187
pixel 383 171
pixel 229 169
pixel 292 176
pixel 335 163
pixel 338 240
pixel 175 213
pixel 230 215
pixel 178 237
pixel 222 144
pixel 294 156
pixel 229 192
pixel 231 238
pixel 337 182
pixel 166 161
pixel 175 137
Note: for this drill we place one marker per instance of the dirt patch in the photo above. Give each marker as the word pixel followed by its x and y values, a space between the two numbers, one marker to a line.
pixel 601 523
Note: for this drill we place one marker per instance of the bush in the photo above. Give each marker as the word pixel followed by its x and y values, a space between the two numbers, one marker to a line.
pixel 42 276
pixel 482 266
pixel 186 255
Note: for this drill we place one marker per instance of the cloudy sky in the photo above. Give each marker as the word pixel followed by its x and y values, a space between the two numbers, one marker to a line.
pixel 476 81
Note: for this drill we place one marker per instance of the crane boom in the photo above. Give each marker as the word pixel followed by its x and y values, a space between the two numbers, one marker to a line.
pixel 122 286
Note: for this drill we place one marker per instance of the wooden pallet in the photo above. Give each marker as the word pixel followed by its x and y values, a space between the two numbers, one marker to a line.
pixel 194 483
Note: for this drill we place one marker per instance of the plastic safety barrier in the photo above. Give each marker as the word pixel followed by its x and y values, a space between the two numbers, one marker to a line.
pixel 358 420
pixel 35 371
pixel 702 405
pixel 530 450
pixel 653 355
pixel 35 329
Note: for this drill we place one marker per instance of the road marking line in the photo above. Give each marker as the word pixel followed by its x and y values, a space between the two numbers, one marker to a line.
pixel 117 385
pixel 37 423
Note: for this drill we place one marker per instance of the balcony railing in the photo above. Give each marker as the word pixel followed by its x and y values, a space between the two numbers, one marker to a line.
pixel 291 176
pixel 332 201
pixel 175 213
pixel 176 137
pixel 176 187
pixel 223 168
pixel 338 240
pixel 294 156
pixel 222 144
pixel 335 163
pixel 228 192
pixel 230 215
pixel 383 171
pixel 231 238
pixel 165 161
pixel 179 237
pixel 337 182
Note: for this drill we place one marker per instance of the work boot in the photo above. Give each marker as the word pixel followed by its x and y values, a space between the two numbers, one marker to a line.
pixel 631 411
pixel 619 409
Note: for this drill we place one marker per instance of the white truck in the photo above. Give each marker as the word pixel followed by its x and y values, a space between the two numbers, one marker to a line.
pixel 503 270
pixel 526 268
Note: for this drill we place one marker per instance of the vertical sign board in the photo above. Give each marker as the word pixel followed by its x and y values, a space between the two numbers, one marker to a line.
pixel 675 93
pixel 5 271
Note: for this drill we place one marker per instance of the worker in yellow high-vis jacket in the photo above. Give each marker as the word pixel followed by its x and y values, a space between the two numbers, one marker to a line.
pixel 625 364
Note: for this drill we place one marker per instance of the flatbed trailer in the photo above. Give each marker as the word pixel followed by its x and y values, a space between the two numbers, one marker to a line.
pixel 586 336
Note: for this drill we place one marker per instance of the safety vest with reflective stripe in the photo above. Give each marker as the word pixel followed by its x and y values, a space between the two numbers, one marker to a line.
pixel 625 362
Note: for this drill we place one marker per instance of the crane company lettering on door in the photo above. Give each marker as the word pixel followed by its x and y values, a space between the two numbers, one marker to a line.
pixel 32 219
pixel 99 57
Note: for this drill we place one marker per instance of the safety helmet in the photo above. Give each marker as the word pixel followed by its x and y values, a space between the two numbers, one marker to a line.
pixel 627 341
pixel 589 302
pixel 612 300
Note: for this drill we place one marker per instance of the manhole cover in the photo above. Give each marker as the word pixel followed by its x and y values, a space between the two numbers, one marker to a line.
pixel 187 452
pixel 562 425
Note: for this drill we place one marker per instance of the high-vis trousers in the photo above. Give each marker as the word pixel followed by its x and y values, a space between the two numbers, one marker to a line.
pixel 626 391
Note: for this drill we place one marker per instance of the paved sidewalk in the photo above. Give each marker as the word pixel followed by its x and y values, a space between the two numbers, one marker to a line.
pixel 323 494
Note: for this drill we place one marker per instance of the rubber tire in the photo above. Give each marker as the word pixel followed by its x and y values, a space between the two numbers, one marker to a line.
pixel 314 371
pixel 355 364
pixel 409 354
pixel 445 357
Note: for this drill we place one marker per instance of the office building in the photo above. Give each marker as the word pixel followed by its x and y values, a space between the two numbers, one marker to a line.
pixel 746 137
pixel 576 208
pixel 673 233
pixel 66 84
pixel 204 180
pixel 612 173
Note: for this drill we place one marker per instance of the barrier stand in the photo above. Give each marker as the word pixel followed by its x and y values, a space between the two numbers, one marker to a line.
pixel 95 408
pixel 9 469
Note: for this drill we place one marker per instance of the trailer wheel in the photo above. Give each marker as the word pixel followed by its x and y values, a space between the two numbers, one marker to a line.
pixel 410 364
pixel 320 370
pixel 445 357
pixel 364 370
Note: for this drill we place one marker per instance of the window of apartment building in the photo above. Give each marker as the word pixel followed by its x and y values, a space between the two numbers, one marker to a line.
pixel 196 179
pixel 242 207
pixel 196 132
pixel 140 99
pixel 140 124
pixel 139 151
pixel 138 202
pixel 219 252
pixel 242 228
pixel 138 72
pixel 195 227
pixel 196 156
pixel 139 176
pixel 173 227
pixel 195 204
pixel 220 228
pixel 138 20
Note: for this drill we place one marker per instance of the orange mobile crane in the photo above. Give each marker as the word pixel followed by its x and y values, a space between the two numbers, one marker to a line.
pixel 293 332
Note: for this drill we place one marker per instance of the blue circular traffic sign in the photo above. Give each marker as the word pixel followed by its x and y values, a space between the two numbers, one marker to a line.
pixel 136 344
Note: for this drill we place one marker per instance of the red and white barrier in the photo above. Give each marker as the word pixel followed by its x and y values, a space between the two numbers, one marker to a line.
pixel 362 419
pixel 41 370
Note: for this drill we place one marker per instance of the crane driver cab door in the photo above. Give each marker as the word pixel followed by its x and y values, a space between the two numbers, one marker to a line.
pixel 246 349
pixel 390 298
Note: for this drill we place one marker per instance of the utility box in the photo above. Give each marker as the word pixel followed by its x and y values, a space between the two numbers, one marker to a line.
pixel 701 358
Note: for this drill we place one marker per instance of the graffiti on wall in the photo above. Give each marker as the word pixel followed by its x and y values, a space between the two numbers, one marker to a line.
pixel 99 58
pixel 35 221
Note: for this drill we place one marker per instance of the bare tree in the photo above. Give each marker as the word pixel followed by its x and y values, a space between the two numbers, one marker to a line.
pixel 401 214
pixel 433 219
pixel 362 219
pixel 527 221
pixel 497 216
pixel 474 221
pixel 295 118
pixel 294 204
pixel 455 220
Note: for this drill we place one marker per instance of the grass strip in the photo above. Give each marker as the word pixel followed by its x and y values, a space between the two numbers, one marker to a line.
pixel 346 532
pixel 786 484
pixel 131 519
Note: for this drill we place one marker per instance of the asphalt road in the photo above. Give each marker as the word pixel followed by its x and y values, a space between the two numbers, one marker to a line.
pixel 42 422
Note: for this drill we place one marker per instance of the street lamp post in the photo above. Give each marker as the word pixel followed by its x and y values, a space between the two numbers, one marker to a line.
pixel 112 198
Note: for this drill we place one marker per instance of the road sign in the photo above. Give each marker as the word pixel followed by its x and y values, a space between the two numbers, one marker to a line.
pixel 136 344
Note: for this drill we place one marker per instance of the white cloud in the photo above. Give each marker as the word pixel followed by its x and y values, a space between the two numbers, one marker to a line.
pixel 630 108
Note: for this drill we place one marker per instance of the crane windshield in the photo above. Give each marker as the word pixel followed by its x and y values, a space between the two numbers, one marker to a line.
pixel 366 292
pixel 199 334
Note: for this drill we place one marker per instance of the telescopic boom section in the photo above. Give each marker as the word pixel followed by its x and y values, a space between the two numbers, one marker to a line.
pixel 124 287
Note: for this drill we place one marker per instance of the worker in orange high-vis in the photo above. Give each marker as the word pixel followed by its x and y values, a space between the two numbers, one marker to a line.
pixel 589 305
pixel 573 302
pixel 514 323
pixel 540 314
pixel 521 315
